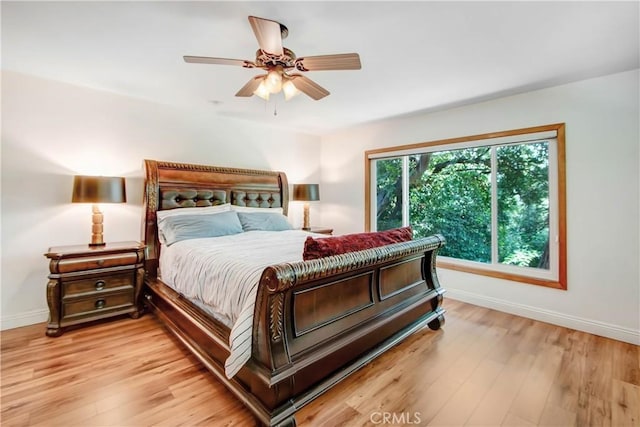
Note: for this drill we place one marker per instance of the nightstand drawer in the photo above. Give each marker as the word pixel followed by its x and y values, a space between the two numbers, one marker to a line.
pixel 97 283
pixel 93 262
pixel 97 304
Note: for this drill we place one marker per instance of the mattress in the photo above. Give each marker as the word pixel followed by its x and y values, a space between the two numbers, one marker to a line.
pixel 221 275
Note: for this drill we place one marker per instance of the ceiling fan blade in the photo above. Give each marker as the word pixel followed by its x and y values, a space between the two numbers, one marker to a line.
pixel 308 87
pixel 343 61
pixel 250 87
pixel 268 34
pixel 218 61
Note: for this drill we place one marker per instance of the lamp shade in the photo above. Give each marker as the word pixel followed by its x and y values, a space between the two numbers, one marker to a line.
pixel 98 189
pixel 306 192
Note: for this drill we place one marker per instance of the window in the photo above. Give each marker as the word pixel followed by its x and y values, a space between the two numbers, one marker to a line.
pixel 498 199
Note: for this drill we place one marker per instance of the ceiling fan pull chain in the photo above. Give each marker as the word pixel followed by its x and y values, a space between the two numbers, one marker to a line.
pixel 275 108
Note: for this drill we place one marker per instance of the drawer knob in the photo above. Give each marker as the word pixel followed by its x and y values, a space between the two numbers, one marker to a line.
pixel 100 262
pixel 100 284
pixel 100 303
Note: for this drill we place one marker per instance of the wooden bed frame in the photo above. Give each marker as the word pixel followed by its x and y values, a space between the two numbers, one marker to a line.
pixel 315 322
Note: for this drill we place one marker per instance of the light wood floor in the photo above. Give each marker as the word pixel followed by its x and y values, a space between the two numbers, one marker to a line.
pixel 484 368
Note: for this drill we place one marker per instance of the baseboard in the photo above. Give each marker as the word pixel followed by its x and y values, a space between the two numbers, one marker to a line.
pixel 595 327
pixel 23 319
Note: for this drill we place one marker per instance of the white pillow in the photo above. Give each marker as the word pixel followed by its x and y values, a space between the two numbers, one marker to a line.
pixel 193 211
pixel 258 210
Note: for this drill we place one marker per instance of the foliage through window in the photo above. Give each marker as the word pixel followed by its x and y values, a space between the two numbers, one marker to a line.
pixel 498 200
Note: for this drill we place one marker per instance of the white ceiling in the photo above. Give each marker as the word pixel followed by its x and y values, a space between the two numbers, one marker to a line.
pixel 416 56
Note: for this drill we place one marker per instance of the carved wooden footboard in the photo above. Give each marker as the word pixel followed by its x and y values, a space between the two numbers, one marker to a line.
pixel 315 322
pixel 318 321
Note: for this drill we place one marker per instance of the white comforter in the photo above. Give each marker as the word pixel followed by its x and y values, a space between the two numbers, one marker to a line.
pixel 223 273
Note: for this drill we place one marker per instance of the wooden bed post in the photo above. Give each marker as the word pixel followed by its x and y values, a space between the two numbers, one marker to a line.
pixel 149 229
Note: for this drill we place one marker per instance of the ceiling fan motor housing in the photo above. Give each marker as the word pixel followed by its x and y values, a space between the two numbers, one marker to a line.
pixel 284 31
pixel 266 59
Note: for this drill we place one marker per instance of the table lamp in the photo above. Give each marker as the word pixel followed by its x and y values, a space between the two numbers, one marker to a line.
pixel 306 193
pixel 98 189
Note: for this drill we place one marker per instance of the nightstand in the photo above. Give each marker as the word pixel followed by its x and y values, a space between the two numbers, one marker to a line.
pixel 91 283
pixel 320 230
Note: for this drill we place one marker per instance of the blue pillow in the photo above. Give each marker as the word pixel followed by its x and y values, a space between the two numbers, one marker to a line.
pixel 183 227
pixel 258 221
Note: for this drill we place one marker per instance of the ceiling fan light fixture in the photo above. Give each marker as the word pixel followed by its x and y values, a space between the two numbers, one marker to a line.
pixel 274 80
pixel 262 91
pixel 289 90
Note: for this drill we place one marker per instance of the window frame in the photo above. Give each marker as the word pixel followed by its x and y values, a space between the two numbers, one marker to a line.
pixel 559 279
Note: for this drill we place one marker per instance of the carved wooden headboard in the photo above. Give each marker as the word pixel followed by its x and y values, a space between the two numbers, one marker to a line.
pixel 171 185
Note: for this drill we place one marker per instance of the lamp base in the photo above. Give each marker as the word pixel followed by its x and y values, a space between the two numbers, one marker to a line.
pixel 96 226
pixel 305 218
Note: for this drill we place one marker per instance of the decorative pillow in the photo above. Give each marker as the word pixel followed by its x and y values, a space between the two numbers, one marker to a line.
pixel 183 227
pixel 328 246
pixel 226 207
pixel 257 210
pixel 256 221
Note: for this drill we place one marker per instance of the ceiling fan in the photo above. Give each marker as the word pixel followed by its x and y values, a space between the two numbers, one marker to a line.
pixel 278 62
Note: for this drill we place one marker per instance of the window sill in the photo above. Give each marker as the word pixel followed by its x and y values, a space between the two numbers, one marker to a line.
pixel 556 284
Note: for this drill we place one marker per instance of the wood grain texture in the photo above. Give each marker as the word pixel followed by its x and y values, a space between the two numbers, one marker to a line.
pixel 485 368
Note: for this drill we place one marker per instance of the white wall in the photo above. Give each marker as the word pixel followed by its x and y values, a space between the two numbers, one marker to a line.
pixel 601 117
pixel 51 131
